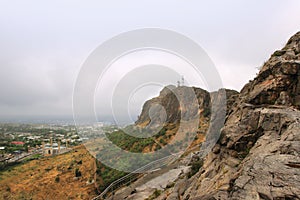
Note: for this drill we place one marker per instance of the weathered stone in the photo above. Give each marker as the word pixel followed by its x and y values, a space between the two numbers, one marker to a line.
pixel 258 155
pixel 173 196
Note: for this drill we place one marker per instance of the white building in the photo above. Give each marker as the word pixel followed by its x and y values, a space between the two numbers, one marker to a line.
pixel 53 148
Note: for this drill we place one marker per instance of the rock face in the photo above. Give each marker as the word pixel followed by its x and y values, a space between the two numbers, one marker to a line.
pixel 174 103
pixel 258 154
pixel 278 81
pixel 170 106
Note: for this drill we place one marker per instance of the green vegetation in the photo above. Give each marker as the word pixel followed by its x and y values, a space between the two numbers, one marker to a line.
pixel 108 175
pixel 195 166
pixel 8 166
pixel 121 138
pixel 33 157
pixel 162 132
pixel 206 112
pixel 163 142
pixel 10 148
pixel 170 185
pixel 242 155
pixel 128 142
pixel 77 173
pixel 155 194
pixel 4 166
pixel 279 53
pixel 57 179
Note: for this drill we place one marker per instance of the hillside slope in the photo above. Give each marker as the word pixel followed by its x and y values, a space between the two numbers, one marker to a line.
pixel 51 178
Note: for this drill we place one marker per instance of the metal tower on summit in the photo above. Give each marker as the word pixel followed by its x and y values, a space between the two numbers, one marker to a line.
pixel 180 82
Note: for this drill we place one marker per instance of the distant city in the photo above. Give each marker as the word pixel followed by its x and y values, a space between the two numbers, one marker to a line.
pixel 27 141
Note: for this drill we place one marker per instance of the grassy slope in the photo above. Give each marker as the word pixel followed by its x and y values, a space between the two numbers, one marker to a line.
pixel 37 179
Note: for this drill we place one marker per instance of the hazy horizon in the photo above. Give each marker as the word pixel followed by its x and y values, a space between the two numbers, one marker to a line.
pixel 44 45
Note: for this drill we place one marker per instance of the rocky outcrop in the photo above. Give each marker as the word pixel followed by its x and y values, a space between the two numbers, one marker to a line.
pixel 170 106
pixel 278 81
pixel 174 103
pixel 258 153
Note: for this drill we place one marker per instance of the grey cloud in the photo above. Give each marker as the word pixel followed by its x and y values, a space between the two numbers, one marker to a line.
pixel 43 44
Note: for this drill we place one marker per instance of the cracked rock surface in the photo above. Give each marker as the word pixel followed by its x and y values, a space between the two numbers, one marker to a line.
pixel 258 153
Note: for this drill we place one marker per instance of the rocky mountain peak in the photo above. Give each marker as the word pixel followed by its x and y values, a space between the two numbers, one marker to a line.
pixel 172 105
pixel 257 155
pixel 278 82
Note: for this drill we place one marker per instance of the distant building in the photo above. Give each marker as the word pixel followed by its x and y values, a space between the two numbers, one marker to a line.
pixel 18 143
pixel 53 148
pixel 17 152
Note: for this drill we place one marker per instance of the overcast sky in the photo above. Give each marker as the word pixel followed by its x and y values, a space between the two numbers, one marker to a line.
pixel 44 43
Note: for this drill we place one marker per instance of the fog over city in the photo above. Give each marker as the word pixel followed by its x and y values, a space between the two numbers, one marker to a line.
pixel 45 43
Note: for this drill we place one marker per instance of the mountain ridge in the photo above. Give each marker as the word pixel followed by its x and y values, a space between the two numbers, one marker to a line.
pixel 257 155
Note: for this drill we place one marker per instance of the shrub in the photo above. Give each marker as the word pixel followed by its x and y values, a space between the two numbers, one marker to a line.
pixel 8 189
pixel 77 172
pixel 162 141
pixel 155 194
pixel 195 166
pixel 128 142
pixel 57 179
pixel 206 112
pixel 278 53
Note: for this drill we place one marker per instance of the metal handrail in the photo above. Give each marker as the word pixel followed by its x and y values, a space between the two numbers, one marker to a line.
pixel 148 167
pixel 137 171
